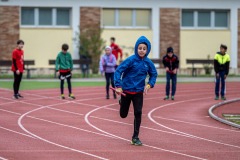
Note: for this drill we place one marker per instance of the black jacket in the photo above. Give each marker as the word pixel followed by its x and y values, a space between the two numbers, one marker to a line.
pixel 170 62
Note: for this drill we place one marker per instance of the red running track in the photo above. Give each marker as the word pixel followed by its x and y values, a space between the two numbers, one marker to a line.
pixel 42 126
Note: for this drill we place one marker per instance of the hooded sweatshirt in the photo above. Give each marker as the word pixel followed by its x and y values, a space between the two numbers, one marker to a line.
pixel 107 63
pixel 132 72
pixel 64 62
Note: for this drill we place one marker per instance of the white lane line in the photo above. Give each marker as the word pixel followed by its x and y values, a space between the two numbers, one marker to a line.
pixel 196 124
pixel 86 118
pixel 69 126
pixel 149 128
pixel 1 158
pixel 169 104
pixel 16 132
pixel 13 130
pixel 47 141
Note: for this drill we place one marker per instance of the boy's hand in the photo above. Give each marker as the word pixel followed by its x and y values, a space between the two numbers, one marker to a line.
pixel 58 73
pixel 225 76
pixel 175 71
pixel 217 75
pixel 147 87
pixel 119 91
pixel 17 72
pixel 167 69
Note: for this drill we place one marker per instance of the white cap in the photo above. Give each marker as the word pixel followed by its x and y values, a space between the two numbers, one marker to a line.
pixel 108 47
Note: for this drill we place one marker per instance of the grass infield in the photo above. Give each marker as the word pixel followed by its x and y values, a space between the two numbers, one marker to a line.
pixel 31 85
pixel 233 118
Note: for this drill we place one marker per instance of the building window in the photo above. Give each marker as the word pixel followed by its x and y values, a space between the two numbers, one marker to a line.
pixel 27 17
pixel 45 16
pixel 120 18
pixel 221 19
pixel 63 16
pixel 187 18
pixel 50 17
pixel 205 19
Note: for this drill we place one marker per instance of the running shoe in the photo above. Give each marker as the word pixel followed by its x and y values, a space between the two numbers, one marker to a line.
pixel 216 98
pixel 136 142
pixel 223 98
pixel 71 96
pixel 15 96
pixel 166 98
pixel 172 97
pixel 62 96
pixel 19 95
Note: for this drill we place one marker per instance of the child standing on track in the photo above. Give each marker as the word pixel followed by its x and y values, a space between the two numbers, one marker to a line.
pixel 221 67
pixel 130 78
pixel 116 50
pixel 170 62
pixel 18 68
pixel 107 66
pixel 64 66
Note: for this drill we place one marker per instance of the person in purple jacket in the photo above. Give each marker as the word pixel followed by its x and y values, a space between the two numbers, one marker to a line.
pixel 107 67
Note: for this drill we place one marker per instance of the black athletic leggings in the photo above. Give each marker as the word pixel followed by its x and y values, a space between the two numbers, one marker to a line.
pixel 62 78
pixel 17 81
pixel 109 77
pixel 137 100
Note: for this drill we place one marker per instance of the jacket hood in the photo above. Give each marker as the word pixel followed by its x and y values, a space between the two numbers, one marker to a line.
pixel 140 40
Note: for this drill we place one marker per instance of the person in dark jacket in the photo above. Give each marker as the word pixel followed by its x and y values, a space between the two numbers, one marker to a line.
pixel 130 78
pixel 221 67
pixel 170 62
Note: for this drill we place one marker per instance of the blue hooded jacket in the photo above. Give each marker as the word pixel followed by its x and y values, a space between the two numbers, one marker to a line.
pixel 132 72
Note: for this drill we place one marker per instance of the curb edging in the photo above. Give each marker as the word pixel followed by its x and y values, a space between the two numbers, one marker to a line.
pixel 210 112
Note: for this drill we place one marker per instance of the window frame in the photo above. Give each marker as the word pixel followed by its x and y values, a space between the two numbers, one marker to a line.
pixel 212 20
pixel 54 18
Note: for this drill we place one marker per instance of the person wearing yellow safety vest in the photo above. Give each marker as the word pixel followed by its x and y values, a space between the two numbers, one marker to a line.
pixel 221 67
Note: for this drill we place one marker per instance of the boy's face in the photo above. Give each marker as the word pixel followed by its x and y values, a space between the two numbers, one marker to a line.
pixel 20 46
pixel 108 51
pixel 170 54
pixel 142 50
pixel 64 51
pixel 222 50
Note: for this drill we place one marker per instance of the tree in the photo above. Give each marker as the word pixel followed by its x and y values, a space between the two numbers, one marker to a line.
pixel 91 45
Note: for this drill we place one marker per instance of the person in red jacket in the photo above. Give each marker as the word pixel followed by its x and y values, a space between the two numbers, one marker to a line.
pixel 17 68
pixel 115 49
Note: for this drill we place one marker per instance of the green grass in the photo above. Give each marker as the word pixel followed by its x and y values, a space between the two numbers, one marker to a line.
pixel 232 118
pixel 31 85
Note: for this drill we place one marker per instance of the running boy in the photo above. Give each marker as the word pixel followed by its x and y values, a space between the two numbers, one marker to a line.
pixel 170 62
pixel 107 66
pixel 17 68
pixel 64 66
pixel 221 67
pixel 130 78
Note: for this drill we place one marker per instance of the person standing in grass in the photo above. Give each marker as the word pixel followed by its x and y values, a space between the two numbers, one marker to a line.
pixel 107 67
pixel 130 78
pixel 64 66
pixel 170 62
pixel 18 68
pixel 221 67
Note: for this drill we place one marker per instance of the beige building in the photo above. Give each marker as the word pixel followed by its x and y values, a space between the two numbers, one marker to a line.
pixel 194 28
